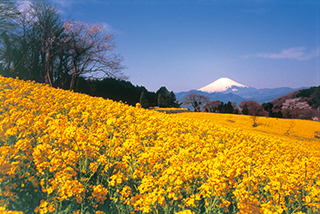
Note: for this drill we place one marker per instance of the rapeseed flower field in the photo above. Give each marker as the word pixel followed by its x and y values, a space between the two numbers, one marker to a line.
pixel 295 129
pixel 65 152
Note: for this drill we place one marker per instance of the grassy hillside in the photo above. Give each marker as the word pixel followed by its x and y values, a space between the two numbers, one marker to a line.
pixel 64 152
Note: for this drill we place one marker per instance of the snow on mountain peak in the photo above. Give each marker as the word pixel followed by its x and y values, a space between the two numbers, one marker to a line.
pixel 220 85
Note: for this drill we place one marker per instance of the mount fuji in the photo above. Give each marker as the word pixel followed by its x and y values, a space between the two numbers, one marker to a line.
pixel 222 84
pixel 226 89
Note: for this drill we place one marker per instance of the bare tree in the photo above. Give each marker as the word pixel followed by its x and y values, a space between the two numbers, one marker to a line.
pixel 47 22
pixel 212 106
pixel 88 46
pixel 196 100
pixel 252 108
pixel 8 13
pixel 46 49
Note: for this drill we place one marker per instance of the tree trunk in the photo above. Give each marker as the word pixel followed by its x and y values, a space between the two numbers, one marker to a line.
pixel 48 79
pixel 73 78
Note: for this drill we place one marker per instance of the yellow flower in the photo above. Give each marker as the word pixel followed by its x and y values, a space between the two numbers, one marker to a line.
pixel 68 144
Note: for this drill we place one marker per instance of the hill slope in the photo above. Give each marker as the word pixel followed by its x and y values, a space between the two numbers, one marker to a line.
pixel 62 151
pixel 310 95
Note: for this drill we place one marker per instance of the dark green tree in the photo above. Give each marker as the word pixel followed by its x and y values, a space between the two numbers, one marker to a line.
pixel 168 99
pixel 226 107
pixel 161 101
pixel 162 96
pixel 173 100
pixel 143 100
pixel 268 107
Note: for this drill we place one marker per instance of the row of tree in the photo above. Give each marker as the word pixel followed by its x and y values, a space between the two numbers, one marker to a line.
pixel 220 107
pixel 36 44
pixel 126 92
pixel 290 106
pixel 201 103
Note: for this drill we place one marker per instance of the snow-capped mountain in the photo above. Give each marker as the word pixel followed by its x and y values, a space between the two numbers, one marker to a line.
pixel 222 84
pixel 225 89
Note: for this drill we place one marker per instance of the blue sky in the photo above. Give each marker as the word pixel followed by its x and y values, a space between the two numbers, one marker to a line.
pixel 188 44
